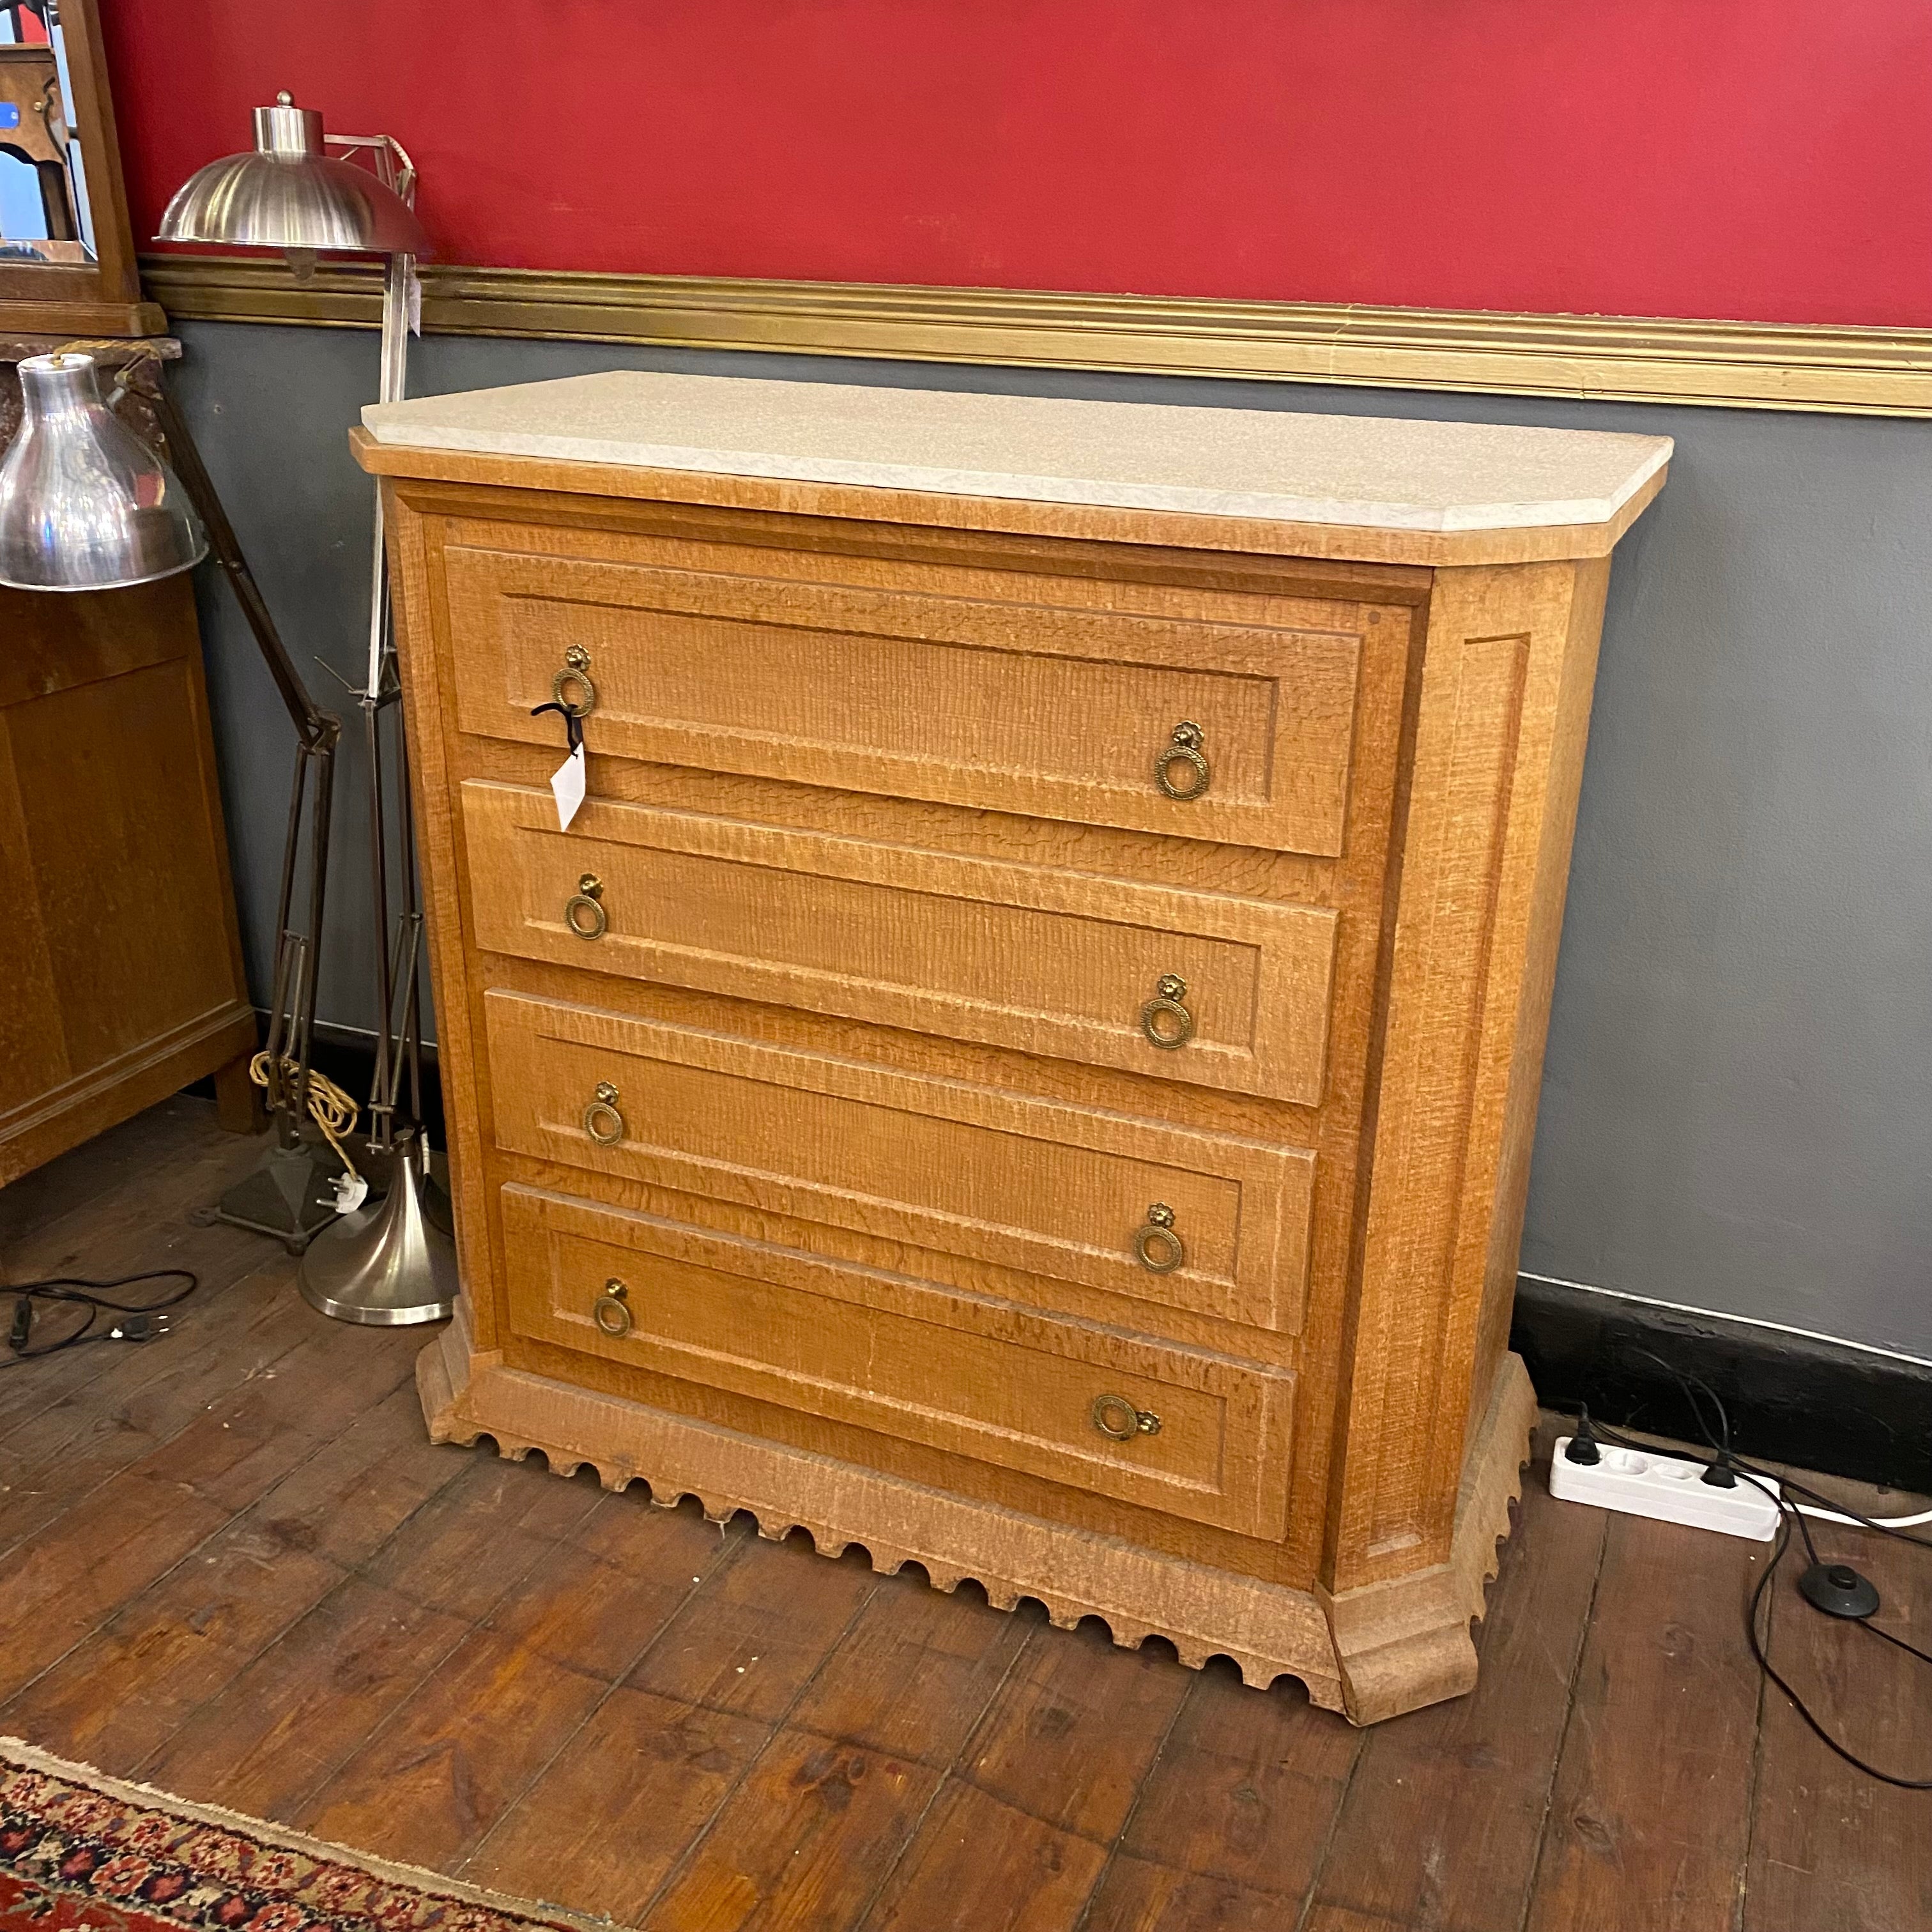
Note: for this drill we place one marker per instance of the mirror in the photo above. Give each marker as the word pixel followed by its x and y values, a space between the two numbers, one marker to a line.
pixel 44 212
pixel 67 257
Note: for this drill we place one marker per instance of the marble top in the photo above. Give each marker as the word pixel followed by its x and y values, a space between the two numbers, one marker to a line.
pixel 1367 473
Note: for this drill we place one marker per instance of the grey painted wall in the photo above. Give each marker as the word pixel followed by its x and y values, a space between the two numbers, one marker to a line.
pixel 1737 1109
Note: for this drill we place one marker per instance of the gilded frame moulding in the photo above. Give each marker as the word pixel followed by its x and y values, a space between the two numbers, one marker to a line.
pixel 1727 364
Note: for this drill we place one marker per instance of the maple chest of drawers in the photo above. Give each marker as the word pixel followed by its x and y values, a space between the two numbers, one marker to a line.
pixel 1025 1057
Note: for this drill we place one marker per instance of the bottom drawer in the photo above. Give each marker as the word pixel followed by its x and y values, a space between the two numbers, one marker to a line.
pixel 1173 1429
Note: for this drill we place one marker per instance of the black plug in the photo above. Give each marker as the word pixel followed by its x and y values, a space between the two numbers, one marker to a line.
pixel 1581 1447
pixel 23 1323
pixel 139 1328
pixel 1720 1474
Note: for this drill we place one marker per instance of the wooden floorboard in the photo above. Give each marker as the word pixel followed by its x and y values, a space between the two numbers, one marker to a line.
pixel 231 1565
pixel 145 1396
pixel 448 1763
pixel 138 1219
pixel 1034 1808
pixel 1234 1823
pixel 1651 1804
pixel 268 1742
pixel 118 1697
pixel 67 1579
pixel 1446 1808
pixel 41 1198
pixel 838 1788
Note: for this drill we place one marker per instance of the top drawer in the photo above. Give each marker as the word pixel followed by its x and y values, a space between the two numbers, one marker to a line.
pixel 1045 708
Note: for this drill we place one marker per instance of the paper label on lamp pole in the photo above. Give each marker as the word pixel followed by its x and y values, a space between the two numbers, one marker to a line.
pixel 567 782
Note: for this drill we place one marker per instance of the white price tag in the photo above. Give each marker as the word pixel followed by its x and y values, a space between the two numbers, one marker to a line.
pixel 567 782
pixel 415 301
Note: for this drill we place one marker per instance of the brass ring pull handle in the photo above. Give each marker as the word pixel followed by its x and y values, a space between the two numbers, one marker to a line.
pixel 583 910
pixel 576 670
pixel 1157 1246
pixel 1185 752
pixel 602 1120
pixel 1117 1419
pixel 1165 1021
pixel 611 1310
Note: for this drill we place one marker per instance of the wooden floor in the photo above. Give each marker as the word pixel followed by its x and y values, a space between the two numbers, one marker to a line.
pixel 231 1566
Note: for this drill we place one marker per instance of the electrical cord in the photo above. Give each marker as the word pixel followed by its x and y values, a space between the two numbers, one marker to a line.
pixel 332 1109
pixel 1892 1636
pixel 144 1321
pixel 1788 1513
pixel 1892 1526
pixel 1833 1509
pixel 1869 1522
pixel 1759 1638
pixel 1848 1518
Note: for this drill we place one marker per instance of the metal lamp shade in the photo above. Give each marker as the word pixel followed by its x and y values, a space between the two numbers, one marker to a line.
pixel 85 505
pixel 290 193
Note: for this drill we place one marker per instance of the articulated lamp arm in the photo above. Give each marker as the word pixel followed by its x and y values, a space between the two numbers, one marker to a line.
pixel 291 998
pixel 315 727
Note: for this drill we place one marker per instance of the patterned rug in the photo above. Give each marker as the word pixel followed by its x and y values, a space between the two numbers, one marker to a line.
pixel 80 1853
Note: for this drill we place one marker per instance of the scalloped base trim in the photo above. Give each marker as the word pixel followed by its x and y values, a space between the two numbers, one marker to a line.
pixel 1267 1630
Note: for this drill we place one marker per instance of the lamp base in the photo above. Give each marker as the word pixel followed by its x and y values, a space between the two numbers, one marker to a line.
pixel 388 1265
pixel 290 1196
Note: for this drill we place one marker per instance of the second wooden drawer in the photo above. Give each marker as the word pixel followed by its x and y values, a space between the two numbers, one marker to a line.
pixel 1046 962
pixel 1065 1192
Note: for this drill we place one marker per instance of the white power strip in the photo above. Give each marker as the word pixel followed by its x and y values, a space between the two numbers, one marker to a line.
pixel 1642 1484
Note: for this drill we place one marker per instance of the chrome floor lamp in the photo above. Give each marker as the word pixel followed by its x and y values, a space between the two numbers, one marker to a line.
pixel 388 1262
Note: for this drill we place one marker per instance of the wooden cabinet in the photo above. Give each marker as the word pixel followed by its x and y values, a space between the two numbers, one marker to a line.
pixel 1025 1060
pixel 121 977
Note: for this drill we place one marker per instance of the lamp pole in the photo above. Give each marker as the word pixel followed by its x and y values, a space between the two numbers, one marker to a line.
pixel 393 1263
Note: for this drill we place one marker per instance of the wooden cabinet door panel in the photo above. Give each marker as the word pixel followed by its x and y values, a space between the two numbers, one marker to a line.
pixel 117 794
pixel 1045 961
pixel 1054 711
pixel 1058 1190
pixel 121 977
pixel 884 1354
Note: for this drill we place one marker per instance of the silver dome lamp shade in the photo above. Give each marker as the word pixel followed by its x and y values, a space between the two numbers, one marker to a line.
pixel 289 192
pixel 85 505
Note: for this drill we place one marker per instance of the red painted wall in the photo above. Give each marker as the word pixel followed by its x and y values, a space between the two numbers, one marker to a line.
pixel 1765 160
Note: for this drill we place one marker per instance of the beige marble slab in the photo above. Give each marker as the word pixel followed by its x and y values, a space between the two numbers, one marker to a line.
pixel 1358 471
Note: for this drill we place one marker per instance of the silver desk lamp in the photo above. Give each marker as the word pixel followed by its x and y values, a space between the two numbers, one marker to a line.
pixel 389 1263
pixel 85 505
